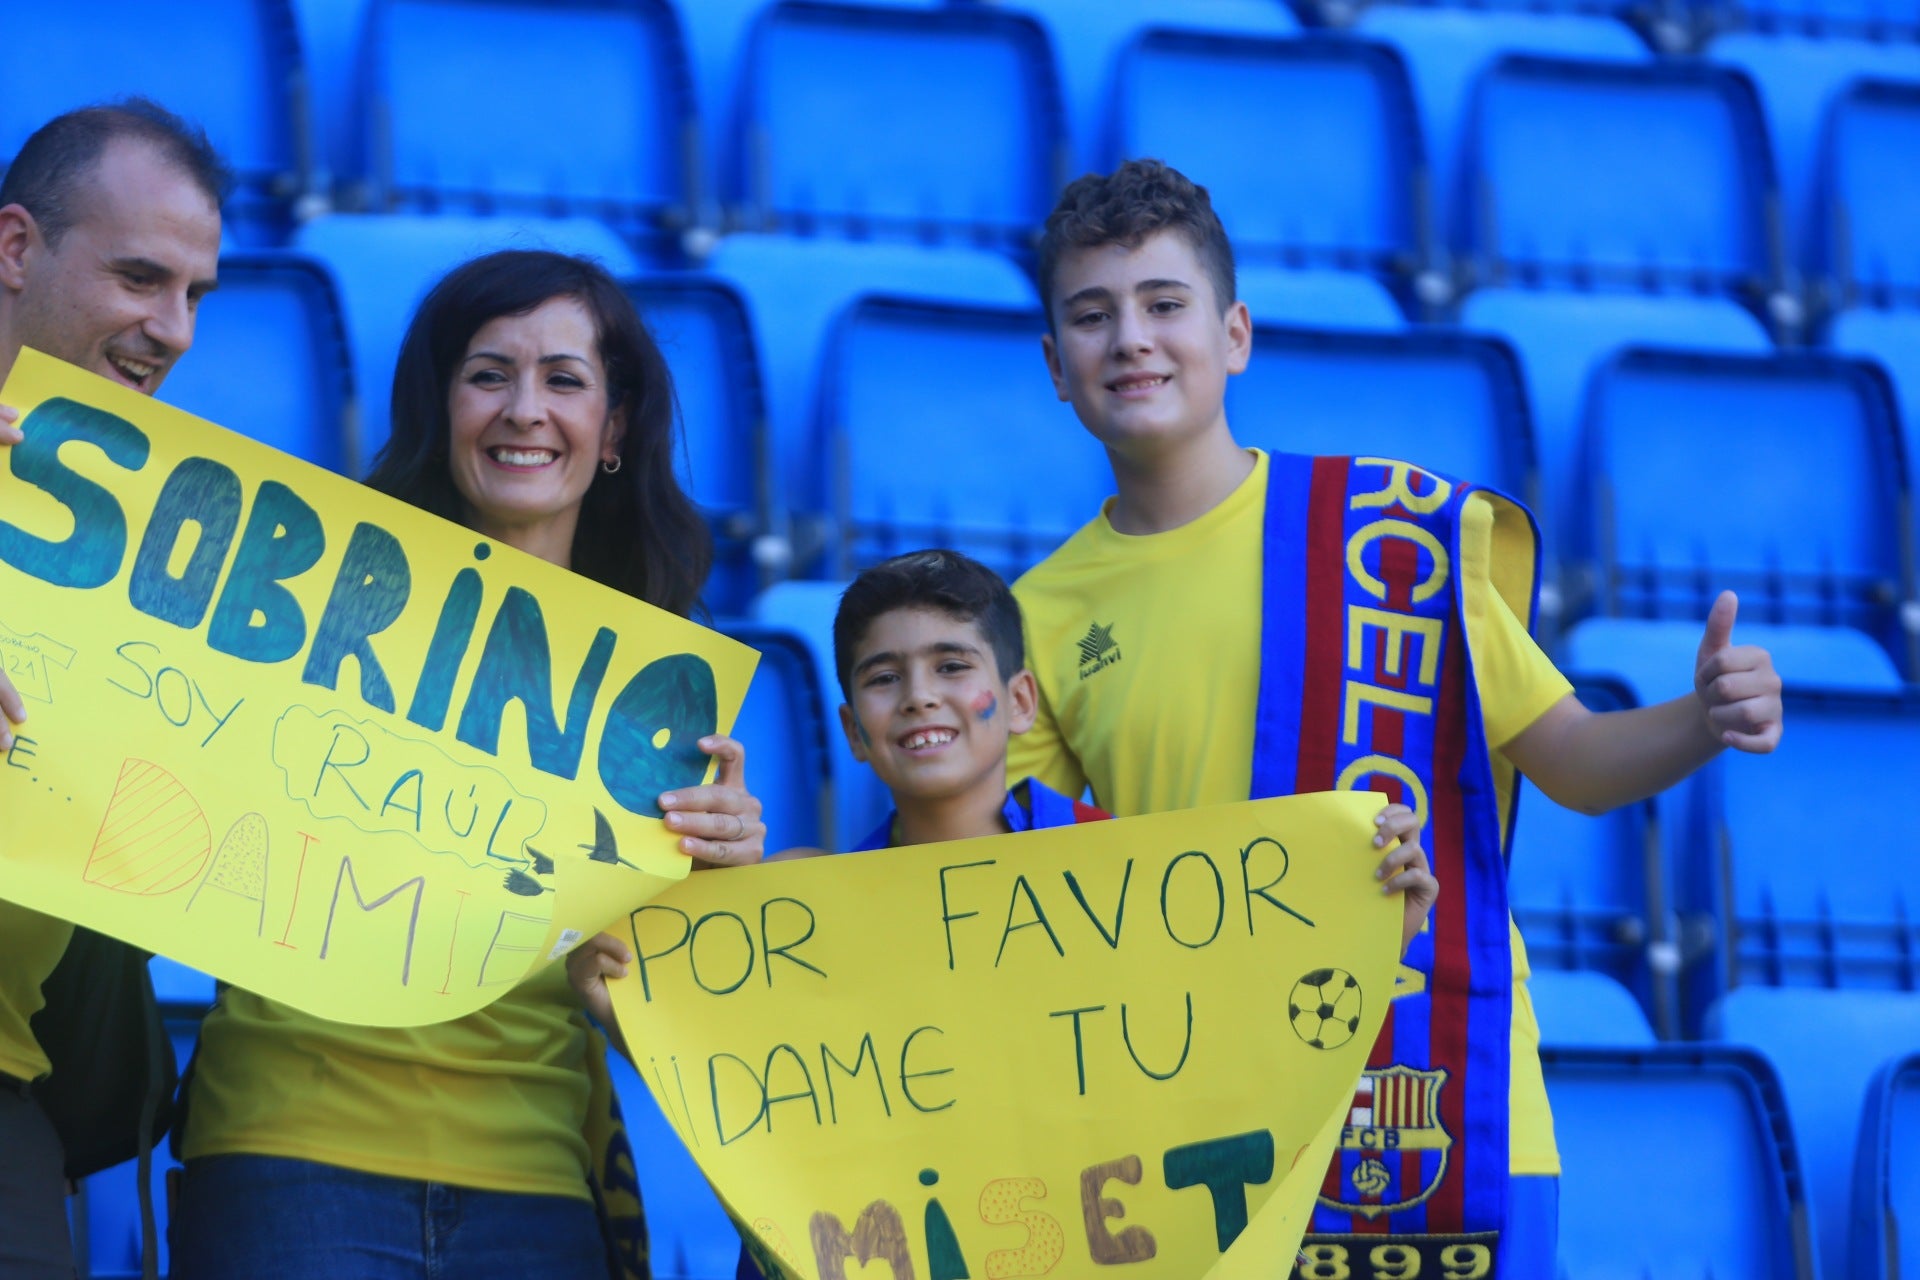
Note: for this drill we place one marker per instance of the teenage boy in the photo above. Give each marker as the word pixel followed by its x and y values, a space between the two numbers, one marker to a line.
pixel 932 665
pixel 1331 598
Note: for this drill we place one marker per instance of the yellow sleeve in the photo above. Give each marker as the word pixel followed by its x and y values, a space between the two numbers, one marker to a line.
pixel 1041 752
pixel 1517 681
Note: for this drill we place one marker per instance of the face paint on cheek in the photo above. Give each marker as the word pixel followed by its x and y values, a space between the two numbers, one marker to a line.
pixel 985 704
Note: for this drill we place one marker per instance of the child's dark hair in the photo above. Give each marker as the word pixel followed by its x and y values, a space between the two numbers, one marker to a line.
pixel 1124 208
pixel 956 585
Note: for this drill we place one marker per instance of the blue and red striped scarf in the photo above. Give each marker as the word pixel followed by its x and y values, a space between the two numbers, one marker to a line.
pixel 1366 682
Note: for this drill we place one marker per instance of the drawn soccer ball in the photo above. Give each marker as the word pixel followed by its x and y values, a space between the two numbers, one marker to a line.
pixel 1325 1008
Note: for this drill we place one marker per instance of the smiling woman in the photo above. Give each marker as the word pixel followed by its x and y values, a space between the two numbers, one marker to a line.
pixel 531 405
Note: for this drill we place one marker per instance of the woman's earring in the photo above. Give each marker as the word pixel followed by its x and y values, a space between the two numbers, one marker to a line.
pixel 610 466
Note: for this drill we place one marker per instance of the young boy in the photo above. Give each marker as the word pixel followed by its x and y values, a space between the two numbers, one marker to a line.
pixel 931 659
pixel 1233 624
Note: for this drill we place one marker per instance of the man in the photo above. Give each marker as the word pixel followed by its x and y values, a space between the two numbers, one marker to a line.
pixel 109 238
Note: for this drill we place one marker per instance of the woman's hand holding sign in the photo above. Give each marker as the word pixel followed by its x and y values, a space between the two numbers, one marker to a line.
pixel 1404 870
pixel 718 823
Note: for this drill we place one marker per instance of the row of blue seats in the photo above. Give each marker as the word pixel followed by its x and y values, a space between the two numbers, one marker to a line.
pixel 1444 149
pixel 1661 476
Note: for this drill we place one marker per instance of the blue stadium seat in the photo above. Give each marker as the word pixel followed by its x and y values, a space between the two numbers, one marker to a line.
pixel 1870 192
pixel 1886 1175
pixel 1586 1008
pixel 270 359
pixel 383 266
pixel 1654 177
pixel 1873 19
pixel 1320 297
pixel 1349 188
pixel 704 331
pixel 1679 1163
pixel 795 289
pixel 1791 913
pixel 232 66
pixel 785 728
pixel 1590 894
pixel 560 108
pixel 1560 339
pixel 1799 78
pixel 1449 401
pixel 1446 48
pixel 824 149
pixel 1655 657
pixel 1893 339
pixel 992 464
pixel 860 801
pixel 1088 36
pixel 180 991
pixel 1806 518
pixel 688 1234
pixel 1827 1045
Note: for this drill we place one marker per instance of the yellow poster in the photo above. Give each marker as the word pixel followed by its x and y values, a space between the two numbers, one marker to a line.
pixel 1119 1046
pixel 309 739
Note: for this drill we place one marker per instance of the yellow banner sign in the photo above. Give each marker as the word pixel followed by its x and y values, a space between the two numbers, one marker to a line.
pixel 310 739
pixel 1117 1044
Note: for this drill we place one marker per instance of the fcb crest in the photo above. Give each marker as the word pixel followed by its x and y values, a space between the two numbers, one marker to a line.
pixel 1393 1150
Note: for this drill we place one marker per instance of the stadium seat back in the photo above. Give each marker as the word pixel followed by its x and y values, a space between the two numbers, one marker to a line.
pixel 1872 190
pixel 1797 914
pixel 1589 892
pixel 1450 402
pixel 703 330
pixel 1655 657
pixel 844 133
pixel 1885 1244
pixel 270 360
pixel 943 431
pixel 1582 1008
pixel 1653 176
pixel 784 725
pixel 1348 189
pixel 383 266
pixel 1320 297
pixel 482 106
pixel 1826 1046
pixel 1805 517
pixel 1876 19
pixel 1560 339
pixel 1642 1132
pixel 1447 47
pixel 689 1236
pixel 231 66
pixel 860 799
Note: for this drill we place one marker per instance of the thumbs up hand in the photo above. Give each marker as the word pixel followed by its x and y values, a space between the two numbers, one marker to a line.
pixel 1737 684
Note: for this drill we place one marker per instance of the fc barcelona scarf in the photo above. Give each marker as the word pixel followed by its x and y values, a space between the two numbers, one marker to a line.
pixel 1366 683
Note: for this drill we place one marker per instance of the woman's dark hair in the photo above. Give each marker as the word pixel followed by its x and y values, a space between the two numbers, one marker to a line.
pixel 638 532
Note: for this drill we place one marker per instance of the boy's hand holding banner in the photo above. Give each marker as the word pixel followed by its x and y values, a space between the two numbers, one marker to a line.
pixel 1112 1045
pixel 310 739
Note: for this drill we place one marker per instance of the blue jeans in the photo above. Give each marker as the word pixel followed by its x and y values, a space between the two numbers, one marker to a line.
pixel 1532 1237
pixel 241 1217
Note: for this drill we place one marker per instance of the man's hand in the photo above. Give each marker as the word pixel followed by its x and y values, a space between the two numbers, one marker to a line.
pixel 719 823
pixel 1404 870
pixel 1737 684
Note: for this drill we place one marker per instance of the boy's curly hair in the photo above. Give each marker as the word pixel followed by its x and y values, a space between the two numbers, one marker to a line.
pixel 1126 206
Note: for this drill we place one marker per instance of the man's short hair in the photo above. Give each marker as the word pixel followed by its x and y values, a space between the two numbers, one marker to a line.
pixel 48 177
pixel 1126 206
pixel 946 581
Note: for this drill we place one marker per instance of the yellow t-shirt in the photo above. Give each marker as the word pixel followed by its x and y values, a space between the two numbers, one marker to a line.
pixel 1162 716
pixel 30 946
pixel 495 1100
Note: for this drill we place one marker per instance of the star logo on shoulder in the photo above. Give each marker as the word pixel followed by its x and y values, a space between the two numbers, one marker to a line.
pixel 1098 649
